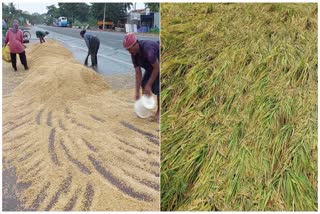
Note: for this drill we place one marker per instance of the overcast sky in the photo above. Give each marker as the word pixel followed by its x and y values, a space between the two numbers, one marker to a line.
pixel 38 7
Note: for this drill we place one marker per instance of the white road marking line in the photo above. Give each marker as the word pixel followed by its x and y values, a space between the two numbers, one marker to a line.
pixel 59 40
pixel 102 46
pixel 103 56
pixel 76 39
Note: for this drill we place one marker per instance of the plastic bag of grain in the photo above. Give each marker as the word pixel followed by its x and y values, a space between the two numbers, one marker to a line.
pixel 6 54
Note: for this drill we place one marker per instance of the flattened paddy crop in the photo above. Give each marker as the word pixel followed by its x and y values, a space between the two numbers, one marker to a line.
pixel 239 107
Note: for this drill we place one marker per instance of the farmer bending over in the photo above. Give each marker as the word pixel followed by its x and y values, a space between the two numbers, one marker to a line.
pixel 93 44
pixel 41 35
pixel 145 54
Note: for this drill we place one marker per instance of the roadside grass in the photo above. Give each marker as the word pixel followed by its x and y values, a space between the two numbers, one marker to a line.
pixel 239 106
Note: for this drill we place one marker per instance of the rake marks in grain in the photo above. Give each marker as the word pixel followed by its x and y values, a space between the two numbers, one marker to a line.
pixel 115 182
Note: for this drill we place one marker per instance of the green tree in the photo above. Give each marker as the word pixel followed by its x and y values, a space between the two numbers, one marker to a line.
pixel 53 12
pixel 114 11
pixel 83 10
pixel 8 11
pixel 37 18
pixel 66 9
pixel 12 8
pixel 127 6
pixel 154 7
pixel 72 11
pixel 5 11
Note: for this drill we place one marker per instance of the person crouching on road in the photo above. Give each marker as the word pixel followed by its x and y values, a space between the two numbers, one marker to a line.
pixel 93 44
pixel 41 35
pixel 145 54
pixel 14 37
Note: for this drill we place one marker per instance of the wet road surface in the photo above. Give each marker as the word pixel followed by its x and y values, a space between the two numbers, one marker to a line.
pixel 112 57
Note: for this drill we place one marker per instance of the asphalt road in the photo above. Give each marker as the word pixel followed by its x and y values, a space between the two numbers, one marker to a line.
pixel 112 57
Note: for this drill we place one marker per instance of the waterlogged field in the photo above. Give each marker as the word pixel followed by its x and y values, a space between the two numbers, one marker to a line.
pixel 239 107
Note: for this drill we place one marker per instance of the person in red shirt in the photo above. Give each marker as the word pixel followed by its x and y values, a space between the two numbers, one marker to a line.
pixel 14 37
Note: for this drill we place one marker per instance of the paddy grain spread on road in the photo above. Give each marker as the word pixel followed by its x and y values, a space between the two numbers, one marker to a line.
pixel 74 143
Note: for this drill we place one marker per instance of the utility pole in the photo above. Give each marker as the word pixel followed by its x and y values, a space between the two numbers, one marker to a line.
pixel 104 16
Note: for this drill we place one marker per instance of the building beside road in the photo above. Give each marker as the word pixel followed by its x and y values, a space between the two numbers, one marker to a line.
pixel 142 20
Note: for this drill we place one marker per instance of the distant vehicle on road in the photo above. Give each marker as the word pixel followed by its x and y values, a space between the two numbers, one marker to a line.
pixel 108 24
pixel 60 22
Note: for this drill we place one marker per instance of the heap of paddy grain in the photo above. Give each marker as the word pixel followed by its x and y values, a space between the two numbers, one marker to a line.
pixel 56 78
pixel 239 107
pixel 77 144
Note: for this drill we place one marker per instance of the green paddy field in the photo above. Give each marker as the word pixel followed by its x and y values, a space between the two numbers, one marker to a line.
pixel 239 107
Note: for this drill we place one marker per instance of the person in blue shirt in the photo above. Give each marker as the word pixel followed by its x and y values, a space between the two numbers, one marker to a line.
pixel 93 44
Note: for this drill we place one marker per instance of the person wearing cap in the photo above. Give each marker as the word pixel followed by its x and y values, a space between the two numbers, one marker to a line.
pixel 145 54
pixel 14 37
pixel 93 44
pixel 41 35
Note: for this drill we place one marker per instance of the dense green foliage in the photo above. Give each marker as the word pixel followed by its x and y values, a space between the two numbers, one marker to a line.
pixel 10 12
pixel 114 11
pixel 75 12
pixel 154 7
pixel 239 107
